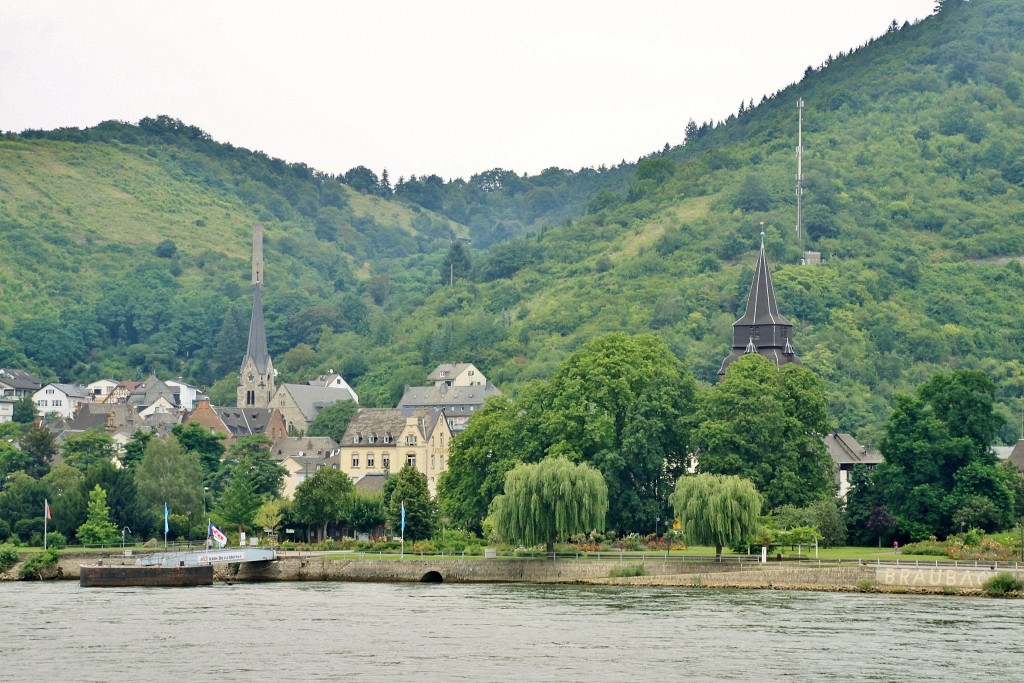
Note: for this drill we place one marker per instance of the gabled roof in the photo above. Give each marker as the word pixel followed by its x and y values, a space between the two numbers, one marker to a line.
pixel 310 399
pixel 150 391
pixel 449 398
pixel 19 379
pixel 371 483
pixel 245 421
pixel 378 422
pixel 1017 455
pixel 257 349
pixel 446 371
pixel 70 390
pixel 845 450
pixel 310 446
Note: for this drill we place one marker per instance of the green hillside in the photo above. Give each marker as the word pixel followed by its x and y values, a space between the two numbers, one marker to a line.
pixel 913 148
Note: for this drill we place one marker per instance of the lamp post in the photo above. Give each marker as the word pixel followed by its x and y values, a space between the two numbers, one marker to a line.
pixel 123 529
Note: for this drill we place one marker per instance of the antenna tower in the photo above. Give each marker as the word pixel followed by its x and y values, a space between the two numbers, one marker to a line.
pixel 799 166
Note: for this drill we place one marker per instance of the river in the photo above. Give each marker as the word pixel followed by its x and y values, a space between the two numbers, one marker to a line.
pixel 58 631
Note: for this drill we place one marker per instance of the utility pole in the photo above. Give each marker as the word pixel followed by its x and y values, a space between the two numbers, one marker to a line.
pixel 799 166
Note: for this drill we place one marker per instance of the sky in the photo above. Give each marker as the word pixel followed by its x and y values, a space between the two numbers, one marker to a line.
pixel 446 87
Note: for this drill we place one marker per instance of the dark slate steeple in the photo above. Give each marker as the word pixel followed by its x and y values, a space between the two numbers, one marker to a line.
pixel 256 376
pixel 762 329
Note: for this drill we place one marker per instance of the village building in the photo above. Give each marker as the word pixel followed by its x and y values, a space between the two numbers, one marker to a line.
pixel 16 384
pixel 6 409
pixel 100 389
pixel 238 422
pixel 60 399
pixel 846 454
pixel 460 389
pixel 304 456
pixel 333 380
pixel 301 403
pixel 381 441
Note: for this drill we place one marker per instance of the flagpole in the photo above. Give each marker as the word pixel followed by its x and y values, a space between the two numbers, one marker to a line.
pixel 402 554
pixel 46 517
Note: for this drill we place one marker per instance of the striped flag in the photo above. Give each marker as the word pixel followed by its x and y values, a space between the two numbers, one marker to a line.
pixel 167 523
pixel 217 535
pixel 403 519
pixel 46 509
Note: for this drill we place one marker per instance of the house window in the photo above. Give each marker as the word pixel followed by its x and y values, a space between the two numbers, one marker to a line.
pixel 56 402
pixel 369 460
pixel 444 373
pixel 410 440
pixel 49 391
pixel 355 461
pixel 471 373
pixel 358 438
pixel 386 462
pixel 432 464
pixel 42 404
pixel 387 438
pixel 410 459
pixel 373 438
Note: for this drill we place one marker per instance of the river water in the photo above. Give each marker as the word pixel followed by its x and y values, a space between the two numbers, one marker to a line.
pixel 57 631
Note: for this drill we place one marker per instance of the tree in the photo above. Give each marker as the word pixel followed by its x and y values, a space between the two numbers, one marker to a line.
pixel 269 517
pixel 25 410
pixel 22 500
pixel 547 501
pixel 622 404
pixel 752 195
pixel 766 424
pixel 68 498
pixel 939 469
pixel 333 420
pixel 167 475
pixel 411 490
pixel 122 496
pixel 135 448
pixel 456 263
pixel 718 510
pixel 209 446
pixel 84 450
pixel 322 499
pixel 239 502
pixel 366 513
pixel 39 446
pixel 98 529
pixel 252 453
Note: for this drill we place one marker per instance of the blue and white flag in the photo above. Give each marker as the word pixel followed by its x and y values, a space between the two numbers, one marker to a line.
pixel 403 519
pixel 167 524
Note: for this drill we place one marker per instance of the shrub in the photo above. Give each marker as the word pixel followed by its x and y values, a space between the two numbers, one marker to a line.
pixel 8 556
pixel 56 539
pixel 625 572
pixel 36 565
pixel 865 585
pixel 1003 583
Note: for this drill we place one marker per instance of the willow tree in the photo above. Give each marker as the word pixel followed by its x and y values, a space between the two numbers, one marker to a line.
pixel 547 501
pixel 716 509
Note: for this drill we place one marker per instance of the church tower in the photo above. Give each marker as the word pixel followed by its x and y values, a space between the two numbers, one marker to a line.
pixel 256 377
pixel 762 329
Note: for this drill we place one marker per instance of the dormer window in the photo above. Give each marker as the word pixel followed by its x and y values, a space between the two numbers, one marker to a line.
pixel 388 438
pixel 358 438
pixel 410 440
pixel 373 438
pixel 443 373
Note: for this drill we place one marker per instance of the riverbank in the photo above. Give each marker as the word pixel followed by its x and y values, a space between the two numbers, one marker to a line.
pixel 854 576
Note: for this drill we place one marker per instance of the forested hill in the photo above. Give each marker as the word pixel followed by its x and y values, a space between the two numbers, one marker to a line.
pixel 914 169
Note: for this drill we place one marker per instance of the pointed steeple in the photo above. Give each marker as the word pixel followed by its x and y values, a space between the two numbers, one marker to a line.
pixel 256 376
pixel 762 329
pixel 257 349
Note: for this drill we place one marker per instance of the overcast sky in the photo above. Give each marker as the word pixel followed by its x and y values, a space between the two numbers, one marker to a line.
pixel 452 88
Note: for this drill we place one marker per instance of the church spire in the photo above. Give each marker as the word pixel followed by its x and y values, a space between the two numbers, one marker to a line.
pixel 256 376
pixel 762 329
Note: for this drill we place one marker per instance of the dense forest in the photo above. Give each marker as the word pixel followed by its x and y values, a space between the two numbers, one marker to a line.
pixel 125 246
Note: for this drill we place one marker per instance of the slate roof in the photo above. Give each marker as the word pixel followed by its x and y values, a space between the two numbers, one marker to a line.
pixel 71 390
pixel 762 329
pixel 371 484
pixel 376 422
pixel 19 379
pixel 245 421
pixel 311 446
pixel 450 370
pixel 147 393
pixel 1017 455
pixel 845 450
pixel 257 349
pixel 310 399
pixel 455 400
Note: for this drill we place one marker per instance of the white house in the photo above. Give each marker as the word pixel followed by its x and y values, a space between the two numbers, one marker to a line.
pixel 62 399
pixel 6 409
pixel 100 390
pixel 188 395
pixel 333 380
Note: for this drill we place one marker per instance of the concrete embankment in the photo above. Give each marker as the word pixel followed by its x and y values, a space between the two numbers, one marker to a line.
pixel 904 577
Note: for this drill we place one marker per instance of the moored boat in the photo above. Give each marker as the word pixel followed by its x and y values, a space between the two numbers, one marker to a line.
pixel 99 575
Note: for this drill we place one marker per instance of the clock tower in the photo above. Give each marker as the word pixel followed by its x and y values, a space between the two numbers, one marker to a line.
pixel 257 374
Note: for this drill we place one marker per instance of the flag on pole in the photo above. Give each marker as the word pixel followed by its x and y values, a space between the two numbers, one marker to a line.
pixel 167 523
pixel 218 535
pixel 403 519
pixel 46 509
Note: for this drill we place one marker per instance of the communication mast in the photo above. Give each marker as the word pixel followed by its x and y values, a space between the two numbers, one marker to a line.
pixel 799 166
